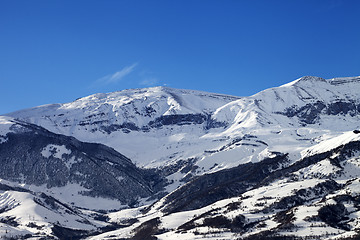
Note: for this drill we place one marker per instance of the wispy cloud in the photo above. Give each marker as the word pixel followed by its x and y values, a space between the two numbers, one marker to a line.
pixel 118 76
pixel 149 82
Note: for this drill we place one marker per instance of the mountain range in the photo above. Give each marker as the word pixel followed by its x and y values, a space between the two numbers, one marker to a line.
pixel 164 163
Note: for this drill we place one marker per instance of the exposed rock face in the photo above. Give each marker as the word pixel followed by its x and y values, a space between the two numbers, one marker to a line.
pixel 311 112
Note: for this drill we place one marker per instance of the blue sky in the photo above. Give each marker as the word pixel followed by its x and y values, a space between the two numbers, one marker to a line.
pixel 57 51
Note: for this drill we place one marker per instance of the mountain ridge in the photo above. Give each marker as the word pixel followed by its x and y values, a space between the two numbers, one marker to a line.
pixel 280 164
pixel 35 156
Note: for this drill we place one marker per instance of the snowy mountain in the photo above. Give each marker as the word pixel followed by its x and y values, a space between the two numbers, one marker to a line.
pixel 134 122
pixel 161 127
pixel 317 197
pixel 281 164
pixel 31 155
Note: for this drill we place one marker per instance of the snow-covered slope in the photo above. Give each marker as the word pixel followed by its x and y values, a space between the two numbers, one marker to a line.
pixel 316 197
pixel 58 164
pixel 147 125
pixel 26 214
pixel 160 126
pixel 306 101
pixel 281 164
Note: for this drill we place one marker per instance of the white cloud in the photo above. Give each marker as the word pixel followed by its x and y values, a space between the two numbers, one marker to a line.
pixel 118 76
pixel 149 81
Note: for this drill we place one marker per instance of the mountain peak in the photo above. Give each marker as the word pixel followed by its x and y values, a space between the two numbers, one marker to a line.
pixel 311 79
pixel 278 162
pixel 304 79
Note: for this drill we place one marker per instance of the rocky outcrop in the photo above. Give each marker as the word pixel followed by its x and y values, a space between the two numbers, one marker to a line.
pixel 311 113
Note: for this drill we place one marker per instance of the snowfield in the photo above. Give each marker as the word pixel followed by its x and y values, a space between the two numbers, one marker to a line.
pixel 281 164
